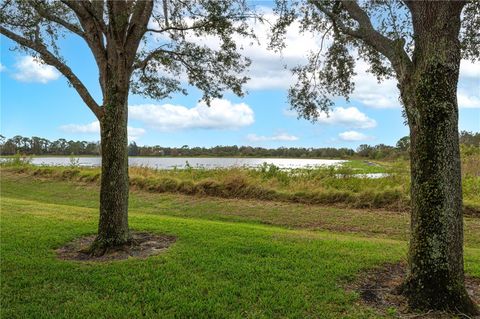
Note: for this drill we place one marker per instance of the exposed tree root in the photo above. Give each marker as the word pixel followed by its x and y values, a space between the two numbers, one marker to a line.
pixel 383 288
pixel 140 245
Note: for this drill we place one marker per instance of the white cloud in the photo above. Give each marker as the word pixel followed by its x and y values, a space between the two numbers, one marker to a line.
pixel 277 137
pixel 349 117
pixel 370 92
pixel 29 69
pixel 135 132
pixel 468 93
pixel 353 136
pixel 290 112
pixel 470 69
pixel 222 114
pixel 468 101
pixel 386 94
pixel 269 69
pixel 90 128
pixel 2 67
pixel 94 128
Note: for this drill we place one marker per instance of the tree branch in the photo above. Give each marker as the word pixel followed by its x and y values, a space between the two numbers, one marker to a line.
pixel 52 60
pixel 95 9
pixel 37 5
pixel 143 63
pixel 175 28
pixel 391 49
pixel 336 20
pixel 94 29
pixel 137 27
pixel 165 12
pixel 118 15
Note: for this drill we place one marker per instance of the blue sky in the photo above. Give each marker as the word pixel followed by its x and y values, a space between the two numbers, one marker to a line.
pixel 37 101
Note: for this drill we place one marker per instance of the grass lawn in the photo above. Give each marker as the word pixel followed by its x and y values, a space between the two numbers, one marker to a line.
pixel 232 258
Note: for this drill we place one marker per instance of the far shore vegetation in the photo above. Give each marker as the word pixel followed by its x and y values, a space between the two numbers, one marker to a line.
pixel 38 146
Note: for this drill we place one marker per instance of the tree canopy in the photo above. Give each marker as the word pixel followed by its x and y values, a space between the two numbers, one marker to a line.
pixel 380 32
pixel 170 37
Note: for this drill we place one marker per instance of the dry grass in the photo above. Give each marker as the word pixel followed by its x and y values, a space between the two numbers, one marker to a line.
pixel 321 186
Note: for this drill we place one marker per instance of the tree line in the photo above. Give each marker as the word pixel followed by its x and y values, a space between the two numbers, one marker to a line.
pixel 42 146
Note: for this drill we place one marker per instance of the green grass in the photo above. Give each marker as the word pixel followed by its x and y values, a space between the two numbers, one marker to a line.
pixel 369 223
pixel 232 258
pixel 372 166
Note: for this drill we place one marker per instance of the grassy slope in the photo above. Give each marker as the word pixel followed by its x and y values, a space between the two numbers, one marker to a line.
pixel 327 186
pixel 226 263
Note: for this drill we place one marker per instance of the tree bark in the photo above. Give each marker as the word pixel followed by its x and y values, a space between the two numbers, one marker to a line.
pixel 435 277
pixel 113 224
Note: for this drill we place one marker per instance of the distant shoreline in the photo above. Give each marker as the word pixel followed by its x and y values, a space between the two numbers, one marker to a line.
pixel 200 156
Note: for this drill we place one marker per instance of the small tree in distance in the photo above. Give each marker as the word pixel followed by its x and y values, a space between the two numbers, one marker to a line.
pixel 403 144
pixel 420 44
pixel 139 46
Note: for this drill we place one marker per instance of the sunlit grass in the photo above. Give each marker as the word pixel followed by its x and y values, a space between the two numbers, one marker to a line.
pixel 232 258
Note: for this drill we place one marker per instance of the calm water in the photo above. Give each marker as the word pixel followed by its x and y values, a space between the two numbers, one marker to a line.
pixel 195 162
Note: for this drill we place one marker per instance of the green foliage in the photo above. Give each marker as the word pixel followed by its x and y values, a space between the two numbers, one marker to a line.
pixel 403 144
pixel 470 40
pixel 470 138
pixel 178 24
pixel 377 223
pixel 17 160
pixel 74 161
pixel 380 33
pixel 133 149
pixel 270 171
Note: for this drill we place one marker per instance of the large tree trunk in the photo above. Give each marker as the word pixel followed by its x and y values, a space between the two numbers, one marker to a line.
pixel 435 275
pixel 113 225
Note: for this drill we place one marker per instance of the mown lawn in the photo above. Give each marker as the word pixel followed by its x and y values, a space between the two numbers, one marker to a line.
pixel 232 258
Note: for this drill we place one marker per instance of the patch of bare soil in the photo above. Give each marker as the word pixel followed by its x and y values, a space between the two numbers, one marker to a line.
pixel 377 289
pixel 471 212
pixel 142 245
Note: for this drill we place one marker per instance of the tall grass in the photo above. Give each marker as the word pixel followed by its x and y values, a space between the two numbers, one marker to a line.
pixel 339 186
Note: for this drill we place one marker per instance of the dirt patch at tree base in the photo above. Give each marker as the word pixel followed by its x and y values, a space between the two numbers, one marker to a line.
pixel 142 245
pixel 378 289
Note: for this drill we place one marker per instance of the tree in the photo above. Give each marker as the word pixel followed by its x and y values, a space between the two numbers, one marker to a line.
pixel 470 138
pixel 139 46
pixel 420 44
pixel 403 144
pixel 2 144
pixel 133 149
pixel 365 150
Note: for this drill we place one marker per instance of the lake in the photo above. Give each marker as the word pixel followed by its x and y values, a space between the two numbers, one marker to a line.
pixel 195 162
